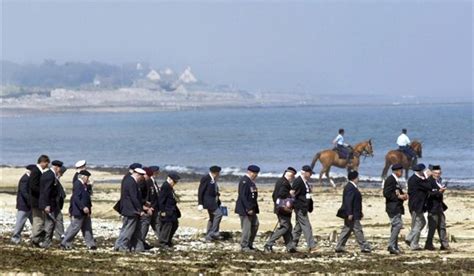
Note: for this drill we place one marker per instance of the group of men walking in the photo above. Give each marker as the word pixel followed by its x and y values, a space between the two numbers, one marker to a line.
pixel 144 203
pixel 40 200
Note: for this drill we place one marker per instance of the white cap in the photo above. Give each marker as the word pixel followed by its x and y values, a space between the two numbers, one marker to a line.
pixel 80 163
pixel 139 171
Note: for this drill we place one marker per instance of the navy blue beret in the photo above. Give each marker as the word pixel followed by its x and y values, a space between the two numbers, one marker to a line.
pixel 135 166
pixel 396 167
pixel 419 167
pixel 253 168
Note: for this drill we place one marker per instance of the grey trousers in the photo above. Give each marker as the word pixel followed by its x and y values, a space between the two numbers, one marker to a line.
pixel 396 225
pixel 59 227
pixel 167 231
pixel 21 218
pixel 53 227
pixel 349 227
pixel 284 230
pixel 156 224
pixel 437 222
pixel 303 225
pixel 37 232
pixel 249 225
pixel 129 231
pixel 418 222
pixel 144 225
pixel 83 224
pixel 213 224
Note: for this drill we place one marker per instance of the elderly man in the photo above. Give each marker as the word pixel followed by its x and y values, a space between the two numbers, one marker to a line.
pixel 51 190
pixel 208 198
pixel 131 209
pixel 394 198
pixel 169 211
pixel 153 198
pixel 146 191
pixel 418 188
pixel 247 208
pixel 80 211
pixel 351 212
pixel 37 233
pixel 436 208
pixel 283 197
pixel 22 205
pixel 303 206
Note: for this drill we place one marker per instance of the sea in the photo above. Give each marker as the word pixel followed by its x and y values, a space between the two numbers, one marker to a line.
pixel 273 138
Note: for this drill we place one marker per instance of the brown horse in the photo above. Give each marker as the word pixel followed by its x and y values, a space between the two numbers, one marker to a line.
pixel 330 158
pixel 398 157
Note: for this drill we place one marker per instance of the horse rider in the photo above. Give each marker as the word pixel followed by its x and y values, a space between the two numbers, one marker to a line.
pixel 342 147
pixel 403 143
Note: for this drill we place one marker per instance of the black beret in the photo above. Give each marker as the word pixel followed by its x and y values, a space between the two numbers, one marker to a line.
pixel 436 168
pixel 291 169
pixel 396 167
pixel 154 168
pixel 135 166
pixel 307 168
pixel 30 167
pixel 352 175
pixel 215 169
pixel 253 168
pixel 57 163
pixel 419 167
pixel 174 176
pixel 85 173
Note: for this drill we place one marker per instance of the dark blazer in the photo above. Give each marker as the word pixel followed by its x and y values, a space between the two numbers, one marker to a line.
pixel 281 191
pixel 23 194
pixel 207 194
pixel 130 197
pixel 80 199
pixel 49 191
pixel 247 197
pixel 301 202
pixel 393 205
pixel 144 187
pixel 34 186
pixel 153 193
pixel 434 202
pixel 351 203
pixel 418 192
pixel 168 205
pixel 61 195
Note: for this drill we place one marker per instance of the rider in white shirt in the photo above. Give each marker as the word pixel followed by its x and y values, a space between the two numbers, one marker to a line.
pixel 344 148
pixel 403 143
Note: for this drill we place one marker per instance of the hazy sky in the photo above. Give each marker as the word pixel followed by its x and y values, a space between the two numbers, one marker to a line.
pixel 347 47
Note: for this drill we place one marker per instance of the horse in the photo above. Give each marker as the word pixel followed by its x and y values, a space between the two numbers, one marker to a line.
pixel 398 157
pixel 330 158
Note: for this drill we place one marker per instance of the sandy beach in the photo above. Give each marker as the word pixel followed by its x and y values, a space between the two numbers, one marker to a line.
pixel 204 257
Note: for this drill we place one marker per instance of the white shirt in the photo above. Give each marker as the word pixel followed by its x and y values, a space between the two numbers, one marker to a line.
pixel 403 140
pixel 420 176
pixel 339 140
pixel 41 169
pixel 355 185
pixel 396 178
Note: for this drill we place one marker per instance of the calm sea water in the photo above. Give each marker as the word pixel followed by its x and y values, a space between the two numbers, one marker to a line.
pixel 272 138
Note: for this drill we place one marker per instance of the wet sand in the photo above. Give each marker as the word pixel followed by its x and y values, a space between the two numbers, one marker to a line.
pixel 193 255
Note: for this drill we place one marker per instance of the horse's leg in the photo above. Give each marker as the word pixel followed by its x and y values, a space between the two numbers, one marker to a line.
pixel 321 176
pixel 384 172
pixel 330 179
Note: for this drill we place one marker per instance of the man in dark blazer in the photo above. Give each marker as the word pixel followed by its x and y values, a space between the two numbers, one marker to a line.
pixel 394 198
pixel 37 232
pixel 80 211
pixel 283 197
pixel 131 209
pixel 351 212
pixel 208 198
pixel 418 188
pixel 48 200
pixel 146 191
pixel 247 208
pixel 436 208
pixel 303 206
pixel 153 197
pixel 169 211
pixel 22 205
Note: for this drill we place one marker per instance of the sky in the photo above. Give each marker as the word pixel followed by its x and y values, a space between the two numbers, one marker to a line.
pixel 420 48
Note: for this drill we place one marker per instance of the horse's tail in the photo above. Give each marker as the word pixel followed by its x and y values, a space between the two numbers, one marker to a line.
pixel 315 159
